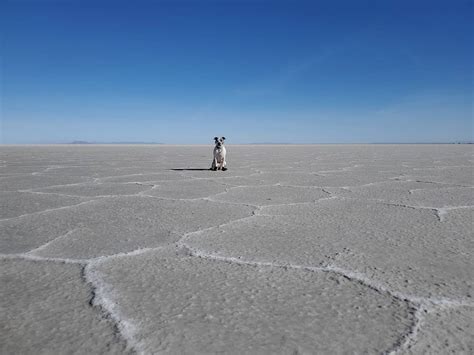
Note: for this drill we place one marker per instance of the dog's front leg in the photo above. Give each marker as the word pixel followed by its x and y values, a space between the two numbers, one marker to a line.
pixel 224 165
pixel 214 164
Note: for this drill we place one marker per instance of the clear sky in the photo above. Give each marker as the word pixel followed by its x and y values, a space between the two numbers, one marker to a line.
pixel 254 71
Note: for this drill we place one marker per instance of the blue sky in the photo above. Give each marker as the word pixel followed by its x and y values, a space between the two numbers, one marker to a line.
pixel 182 72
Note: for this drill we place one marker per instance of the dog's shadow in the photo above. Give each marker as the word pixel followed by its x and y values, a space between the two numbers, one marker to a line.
pixel 191 169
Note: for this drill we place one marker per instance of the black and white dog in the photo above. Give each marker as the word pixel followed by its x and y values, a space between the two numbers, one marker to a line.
pixel 218 163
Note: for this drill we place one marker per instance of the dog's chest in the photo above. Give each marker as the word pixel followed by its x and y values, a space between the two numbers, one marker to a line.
pixel 219 153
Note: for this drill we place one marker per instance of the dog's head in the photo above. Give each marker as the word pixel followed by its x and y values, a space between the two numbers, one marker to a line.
pixel 219 141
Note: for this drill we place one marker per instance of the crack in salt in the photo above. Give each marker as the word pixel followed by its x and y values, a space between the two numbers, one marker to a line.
pixel 440 212
pixel 418 305
pixel 30 257
pixel 44 246
pixel 102 300
pixel 101 292
pixel 50 210
pixel 410 337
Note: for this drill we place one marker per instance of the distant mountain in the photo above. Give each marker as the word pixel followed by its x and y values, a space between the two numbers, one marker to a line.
pixel 131 143
pixel 270 143
pixel 85 142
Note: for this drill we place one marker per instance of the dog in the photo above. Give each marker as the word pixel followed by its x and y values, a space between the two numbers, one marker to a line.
pixel 219 163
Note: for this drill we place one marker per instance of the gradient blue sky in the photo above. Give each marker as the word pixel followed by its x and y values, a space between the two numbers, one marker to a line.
pixel 254 71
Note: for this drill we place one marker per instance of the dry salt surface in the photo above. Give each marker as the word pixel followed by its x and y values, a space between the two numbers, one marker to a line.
pixel 295 249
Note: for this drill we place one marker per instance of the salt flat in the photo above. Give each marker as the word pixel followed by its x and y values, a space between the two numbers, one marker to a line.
pixel 294 249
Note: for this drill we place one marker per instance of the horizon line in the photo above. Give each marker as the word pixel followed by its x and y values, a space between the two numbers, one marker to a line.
pixel 253 143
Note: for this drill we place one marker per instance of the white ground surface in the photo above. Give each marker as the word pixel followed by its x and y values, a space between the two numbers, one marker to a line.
pixel 294 249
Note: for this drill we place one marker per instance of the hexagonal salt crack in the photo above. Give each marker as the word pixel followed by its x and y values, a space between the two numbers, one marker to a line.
pixel 271 195
pixel 113 225
pixel 183 304
pixel 408 250
pixel 45 310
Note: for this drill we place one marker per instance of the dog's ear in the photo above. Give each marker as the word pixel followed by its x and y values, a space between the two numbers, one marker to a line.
pixel 223 138
pixel 215 138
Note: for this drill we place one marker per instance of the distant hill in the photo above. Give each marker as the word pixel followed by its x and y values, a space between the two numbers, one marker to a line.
pixel 270 143
pixel 85 142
